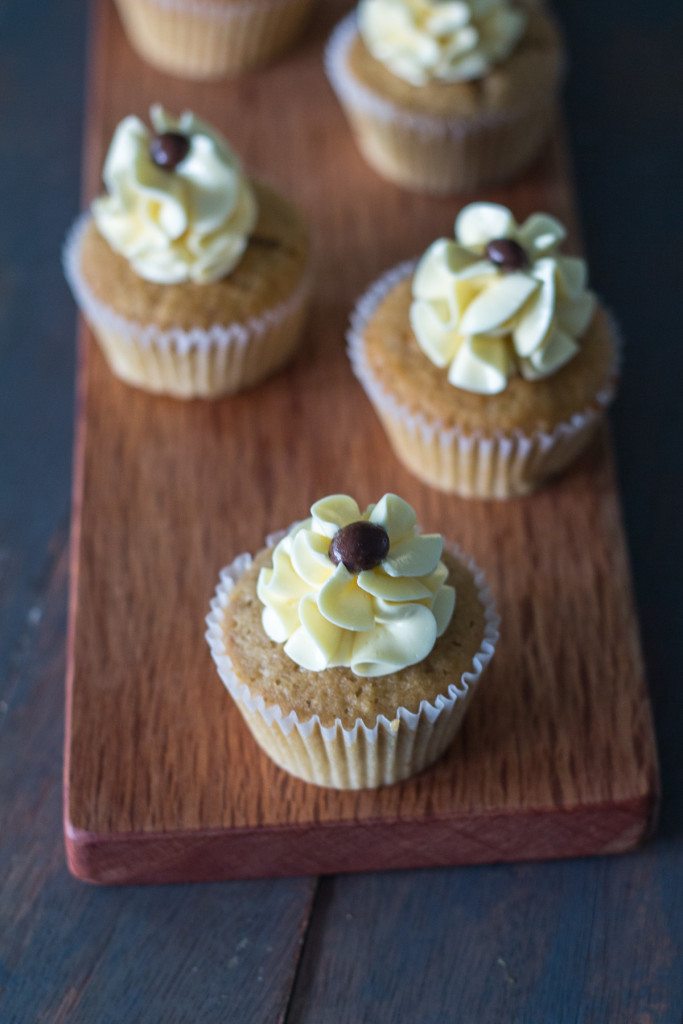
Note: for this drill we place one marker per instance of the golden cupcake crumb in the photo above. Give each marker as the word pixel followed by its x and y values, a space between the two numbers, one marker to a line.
pixel 338 693
pixel 269 272
pixel 533 67
pixel 401 368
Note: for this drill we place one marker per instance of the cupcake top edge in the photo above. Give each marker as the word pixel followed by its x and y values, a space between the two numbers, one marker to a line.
pixel 178 205
pixel 362 590
pixel 448 41
pixel 500 299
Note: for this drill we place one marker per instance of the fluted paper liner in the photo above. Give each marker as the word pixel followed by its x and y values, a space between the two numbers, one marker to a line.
pixel 193 363
pixel 203 39
pixel 470 464
pixel 369 754
pixel 429 153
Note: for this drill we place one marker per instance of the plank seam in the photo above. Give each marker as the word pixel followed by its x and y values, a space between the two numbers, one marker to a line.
pixel 305 928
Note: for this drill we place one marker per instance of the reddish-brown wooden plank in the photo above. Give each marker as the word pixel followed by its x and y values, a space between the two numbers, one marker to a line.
pixel 163 782
pixel 71 953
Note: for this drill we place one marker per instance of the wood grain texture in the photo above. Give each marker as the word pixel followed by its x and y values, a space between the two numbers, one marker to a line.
pixel 36 337
pixel 163 782
pixel 71 953
pixel 555 943
pixel 583 942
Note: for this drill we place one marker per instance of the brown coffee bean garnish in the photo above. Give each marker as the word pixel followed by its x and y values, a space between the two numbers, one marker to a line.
pixel 359 546
pixel 169 149
pixel 506 254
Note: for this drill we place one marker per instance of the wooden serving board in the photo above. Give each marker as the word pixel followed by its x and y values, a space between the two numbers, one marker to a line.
pixel 163 782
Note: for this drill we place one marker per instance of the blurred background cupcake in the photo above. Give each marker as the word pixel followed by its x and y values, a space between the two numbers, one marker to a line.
pixel 446 95
pixel 489 362
pixel 352 645
pixel 202 39
pixel 193 278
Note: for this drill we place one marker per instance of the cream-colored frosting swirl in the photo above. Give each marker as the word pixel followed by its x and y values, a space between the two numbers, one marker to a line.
pixel 440 40
pixel 189 224
pixel 486 323
pixel 376 621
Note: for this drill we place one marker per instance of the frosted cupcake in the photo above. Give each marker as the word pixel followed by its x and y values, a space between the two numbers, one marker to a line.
pixel 201 39
pixel 445 95
pixel 353 643
pixel 489 363
pixel 193 278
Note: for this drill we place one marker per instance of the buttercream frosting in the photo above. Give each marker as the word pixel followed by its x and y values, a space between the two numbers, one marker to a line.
pixel 189 224
pixel 485 322
pixel 374 622
pixel 440 40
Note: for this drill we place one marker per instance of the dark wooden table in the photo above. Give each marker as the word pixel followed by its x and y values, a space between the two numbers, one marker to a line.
pixel 571 942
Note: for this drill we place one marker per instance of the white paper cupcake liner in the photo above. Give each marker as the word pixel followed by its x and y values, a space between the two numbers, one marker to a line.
pixel 472 464
pixel 431 153
pixel 202 39
pixel 193 363
pixel 367 754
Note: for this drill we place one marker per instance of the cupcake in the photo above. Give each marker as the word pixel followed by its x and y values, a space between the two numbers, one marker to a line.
pixel 489 362
pixel 193 278
pixel 352 644
pixel 446 96
pixel 202 39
